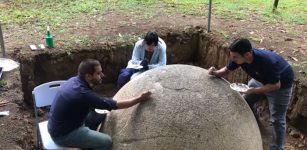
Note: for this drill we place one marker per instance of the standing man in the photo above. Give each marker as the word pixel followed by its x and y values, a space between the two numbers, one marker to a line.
pixel 272 77
pixel 149 52
pixel 71 123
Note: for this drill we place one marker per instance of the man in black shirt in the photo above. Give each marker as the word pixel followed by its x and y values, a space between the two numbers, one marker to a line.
pixel 272 77
pixel 68 124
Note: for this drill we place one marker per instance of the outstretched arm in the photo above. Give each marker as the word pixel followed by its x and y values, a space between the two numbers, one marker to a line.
pixel 219 73
pixel 264 89
pixel 135 100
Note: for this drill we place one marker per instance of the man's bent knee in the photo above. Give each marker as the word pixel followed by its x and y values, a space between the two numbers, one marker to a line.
pixel 105 142
pixel 108 142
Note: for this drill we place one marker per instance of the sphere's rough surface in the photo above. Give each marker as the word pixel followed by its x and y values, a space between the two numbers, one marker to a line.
pixel 188 110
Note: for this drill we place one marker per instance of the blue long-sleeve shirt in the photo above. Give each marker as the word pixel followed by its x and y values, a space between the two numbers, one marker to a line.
pixel 72 104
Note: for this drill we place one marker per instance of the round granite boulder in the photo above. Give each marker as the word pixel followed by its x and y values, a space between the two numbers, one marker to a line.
pixel 188 110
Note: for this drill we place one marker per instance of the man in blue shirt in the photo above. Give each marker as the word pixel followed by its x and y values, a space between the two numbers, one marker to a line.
pixel 272 77
pixel 71 123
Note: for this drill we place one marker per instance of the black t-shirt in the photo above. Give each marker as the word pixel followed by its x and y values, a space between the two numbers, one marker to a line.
pixel 148 55
pixel 268 68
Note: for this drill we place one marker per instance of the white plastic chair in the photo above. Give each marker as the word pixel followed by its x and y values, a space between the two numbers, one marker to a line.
pixel 43 95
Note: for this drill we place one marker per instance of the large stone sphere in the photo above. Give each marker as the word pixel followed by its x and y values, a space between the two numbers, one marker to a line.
pixel 188 109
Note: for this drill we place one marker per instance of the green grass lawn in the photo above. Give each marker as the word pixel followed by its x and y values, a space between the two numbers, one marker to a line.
pixel 55 13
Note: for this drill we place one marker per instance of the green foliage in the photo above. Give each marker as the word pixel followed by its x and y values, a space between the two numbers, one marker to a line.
pixel 225 34
pixel 82 40
pixel 3 83
pixel 47 12
pixel 288 10
pixel 190 7
pixel 255 38
pixel 186 29
pixel 55 13
pixel 61 14
pixel 126 38
pixel 300 66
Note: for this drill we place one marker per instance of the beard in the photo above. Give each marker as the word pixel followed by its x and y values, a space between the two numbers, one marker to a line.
pixel 97 82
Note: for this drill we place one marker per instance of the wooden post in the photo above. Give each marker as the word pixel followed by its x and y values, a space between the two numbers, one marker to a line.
pixel 275 5
pixel 209 16
pixel 2 42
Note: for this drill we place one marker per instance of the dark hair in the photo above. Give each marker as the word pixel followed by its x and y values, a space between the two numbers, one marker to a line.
pixel 151 37
pixel 241 46
pixel 87 66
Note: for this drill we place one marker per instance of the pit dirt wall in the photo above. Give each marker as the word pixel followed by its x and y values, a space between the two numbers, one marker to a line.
pixel 59 64
pixel 192 46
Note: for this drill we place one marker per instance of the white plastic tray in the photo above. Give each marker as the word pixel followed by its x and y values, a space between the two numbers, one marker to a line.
pixel 240 87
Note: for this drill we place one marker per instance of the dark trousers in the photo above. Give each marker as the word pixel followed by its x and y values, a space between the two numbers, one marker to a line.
pixel 124 76
pixel 93 119
pixel 278 105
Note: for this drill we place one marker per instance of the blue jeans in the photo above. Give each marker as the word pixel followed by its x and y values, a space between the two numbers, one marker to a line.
pixel 278 104
pixel 124 76
pixel 86 136
pixel 136 74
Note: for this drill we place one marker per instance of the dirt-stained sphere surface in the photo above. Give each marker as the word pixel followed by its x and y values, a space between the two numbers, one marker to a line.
pixel 188 109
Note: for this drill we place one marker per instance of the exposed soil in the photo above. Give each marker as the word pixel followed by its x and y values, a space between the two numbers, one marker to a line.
pixel 17 129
